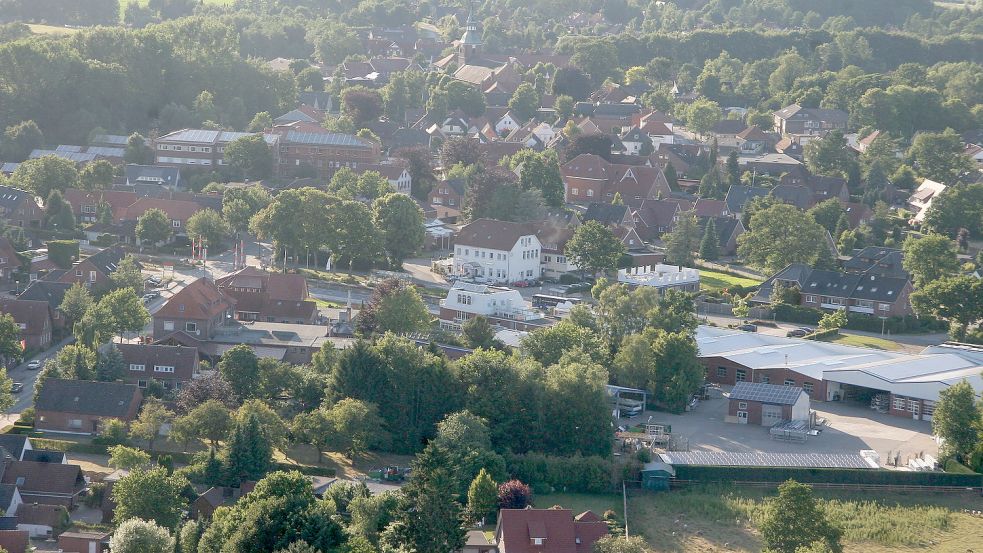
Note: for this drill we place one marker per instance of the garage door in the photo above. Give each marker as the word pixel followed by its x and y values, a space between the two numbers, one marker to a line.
pixel 771 415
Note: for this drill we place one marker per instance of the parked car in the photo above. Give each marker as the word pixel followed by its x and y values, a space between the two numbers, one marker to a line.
pixel 150 296
pixel 34 364
pixel 799 332
pixel 16 387
pixel 153 281
pixel 748 327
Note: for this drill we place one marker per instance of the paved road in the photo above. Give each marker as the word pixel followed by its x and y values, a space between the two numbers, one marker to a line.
pixel 20 373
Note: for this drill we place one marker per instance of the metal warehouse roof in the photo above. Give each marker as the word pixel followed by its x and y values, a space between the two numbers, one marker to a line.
pixel 758 459
pixel 912 375
pixel 766 393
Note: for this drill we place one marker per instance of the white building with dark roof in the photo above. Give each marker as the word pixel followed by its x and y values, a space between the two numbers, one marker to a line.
pixel 489 250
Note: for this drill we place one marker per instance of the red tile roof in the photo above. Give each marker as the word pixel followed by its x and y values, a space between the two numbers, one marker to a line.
pixel 32 314
pixel 559 531
pixel 200 300
pixel 176 210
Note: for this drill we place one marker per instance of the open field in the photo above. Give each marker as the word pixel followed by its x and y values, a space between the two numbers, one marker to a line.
pixel 864 341
pixel 51 30
pixel 713 280
pixel 725 519
pixel 580 502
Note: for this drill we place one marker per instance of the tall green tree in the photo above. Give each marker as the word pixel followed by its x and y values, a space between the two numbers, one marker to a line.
pixel 97 175
pixel 794 519
pixel 150 495
pixel 46 173
pixel 957 299
pixel 153 416
pixel 939 156
pixel 207 225
pixel 683 240
pixel 929 258
pixel 76 302
pixel 400 220
pixel 127 275
pixel 780 235
pixel 594 248
pixel 482 497
pixel 58 214
pixel 524 102
pixel 577 408
pixel 240 368
pixel 702 115
pixel 250 450
pixel 251 155
pixel 710 245
pixel 122 311
pixel 19 141
pixel 137 151
pixel 957 419
pixel 140 536
pixel 153 226
pixel 829 155
pixel 110 365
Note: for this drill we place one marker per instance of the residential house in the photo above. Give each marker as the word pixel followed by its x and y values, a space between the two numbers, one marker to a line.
pixel 780 166
pixel 739 195
pixel 15 445
pixel 888 262
pixel 84 542
pixel 172 366
pixel 551 530
pixel 53 293
pixel 497 251
pixel 609 214
pixel 81 406
pixel 553 240
pixel 293 343
pixel 793 146
pixel 19 208
pixel 45 456
pixel 867 293
pixel 921 198
pixel 637 142
pixel 9 262
pixel 42 521
pixel 590 178
pixel 44 483
pixel 10 500
pixel 34 319
pixel 198 309
pixel 795 119
pixel 16 541
pixel 825 188
pixel 655 218
pixel 398 176
pixel 177 211
pixel 502 307
pixel 95 271
pixel 728 229
pixel 752 141
pixel 218 496
pixel 89 205
pixel 153 175
pixel 686 159
pixel 448 193
pixel 270 297
pixel 476 542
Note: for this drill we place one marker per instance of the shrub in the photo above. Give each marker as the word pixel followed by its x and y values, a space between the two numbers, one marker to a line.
pixel 569 278
pixel 644 455
pixel 27 417
pixel 514 495
pixel 93 499
pixel 573 474
pixel 63 252
pixel 114 432
pixel 955 467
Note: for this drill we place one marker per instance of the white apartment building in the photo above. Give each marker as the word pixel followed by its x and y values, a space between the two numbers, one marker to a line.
pixel 662 277
pixel 502 307
pixel 494 251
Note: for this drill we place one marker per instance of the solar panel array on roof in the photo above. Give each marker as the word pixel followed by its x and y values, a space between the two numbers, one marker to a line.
pixel 192 135
pixel 229 136
pixel 758 459
pixel 105 151
pixel 68 148
pixel 766 393
pixel 326 139
pixel 70 156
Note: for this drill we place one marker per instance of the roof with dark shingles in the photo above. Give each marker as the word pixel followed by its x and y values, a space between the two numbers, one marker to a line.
pixel 84 397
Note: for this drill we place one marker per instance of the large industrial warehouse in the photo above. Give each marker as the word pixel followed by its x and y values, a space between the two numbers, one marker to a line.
pixel 904 385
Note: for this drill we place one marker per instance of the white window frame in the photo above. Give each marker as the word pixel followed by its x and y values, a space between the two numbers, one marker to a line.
pixel 137 367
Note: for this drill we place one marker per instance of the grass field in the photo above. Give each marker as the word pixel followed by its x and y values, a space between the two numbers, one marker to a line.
pixel 864 341
pixel 580 502
pixel 725 519
pixel 51 30
pixel 713 280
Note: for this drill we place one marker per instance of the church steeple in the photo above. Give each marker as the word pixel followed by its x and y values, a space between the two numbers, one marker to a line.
pixel 470 46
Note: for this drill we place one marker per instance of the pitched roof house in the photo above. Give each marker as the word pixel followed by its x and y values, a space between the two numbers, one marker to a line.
pixel 94 271
pixel 197 309
pixel 547 531
pixel 172 366
pixel 590 178
pixel 19 208
pixel 9 262
pixel 795 119
pixel 497 251
pixel 33 318
pixel 867 293
pixel 45 483
pixel 80 406
pixel 269 297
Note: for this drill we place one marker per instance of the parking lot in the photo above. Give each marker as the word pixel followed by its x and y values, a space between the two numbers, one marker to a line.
pixel 850 428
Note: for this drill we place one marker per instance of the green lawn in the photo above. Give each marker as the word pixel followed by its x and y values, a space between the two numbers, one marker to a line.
pixel 51 30
pixel 714 280
pixel 864 341
pixel 721 519
pixel 580 502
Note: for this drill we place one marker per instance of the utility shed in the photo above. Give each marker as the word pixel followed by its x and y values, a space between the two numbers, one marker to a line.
pixel 767 404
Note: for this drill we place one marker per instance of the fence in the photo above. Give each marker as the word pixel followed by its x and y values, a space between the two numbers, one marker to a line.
pixel 708 308
pixel 824 476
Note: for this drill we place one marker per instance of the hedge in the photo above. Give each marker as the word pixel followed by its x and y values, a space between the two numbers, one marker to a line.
pixel 866 323
pixel 823 334
pixel 547 473
pixel 831 476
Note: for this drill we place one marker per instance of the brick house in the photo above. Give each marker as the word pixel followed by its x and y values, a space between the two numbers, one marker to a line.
pixel 80 406
pixel 84 542
pixel 766 404
pixel 34 319
pixel 590 178
pixel 172 366
pixel 9 262
pixel 795 119
pixel 86 204
pixel 45 483
pixel 270 297
pixel 178 211
pixel 94 271
pixel 869 292
pixel 547 531
pixel 197 310
pixel 53 293
pixel 19 208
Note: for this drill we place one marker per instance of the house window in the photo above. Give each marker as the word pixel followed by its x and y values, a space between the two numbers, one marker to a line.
pixel 884 307
pixel 765 379
pixel 92 276
pixel 176 224
pixel 574 191
pixel 191 327
pixel 168 325
pixel 789 382
pixel 721 372
pixel 21 480
pixel 590 192
pixel 78 272
pixel 810 299
pixel 807 387
pixel 538 541
pixel 741 375
pixel 141 383
pixel 75 423
pixel 742 405
pixel 163 369
pixel 136 367
pixel 913 405
pixel 900 402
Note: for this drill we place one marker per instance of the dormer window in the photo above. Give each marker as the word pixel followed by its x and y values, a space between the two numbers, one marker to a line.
pixel 538 541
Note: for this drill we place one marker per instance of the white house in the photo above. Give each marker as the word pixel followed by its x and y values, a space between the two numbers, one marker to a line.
pixel 921 199
pixel 662 277
pixel 503 307
pixel 494 251
pixel 506 124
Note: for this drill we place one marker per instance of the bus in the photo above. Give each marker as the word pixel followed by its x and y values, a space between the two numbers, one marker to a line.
pixel 545 301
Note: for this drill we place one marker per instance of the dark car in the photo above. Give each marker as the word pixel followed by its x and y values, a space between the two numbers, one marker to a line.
pixel 16 387
pixel 748 327
pixel 799 332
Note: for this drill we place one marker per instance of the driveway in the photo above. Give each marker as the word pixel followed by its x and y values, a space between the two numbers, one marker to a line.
pixel 850 429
